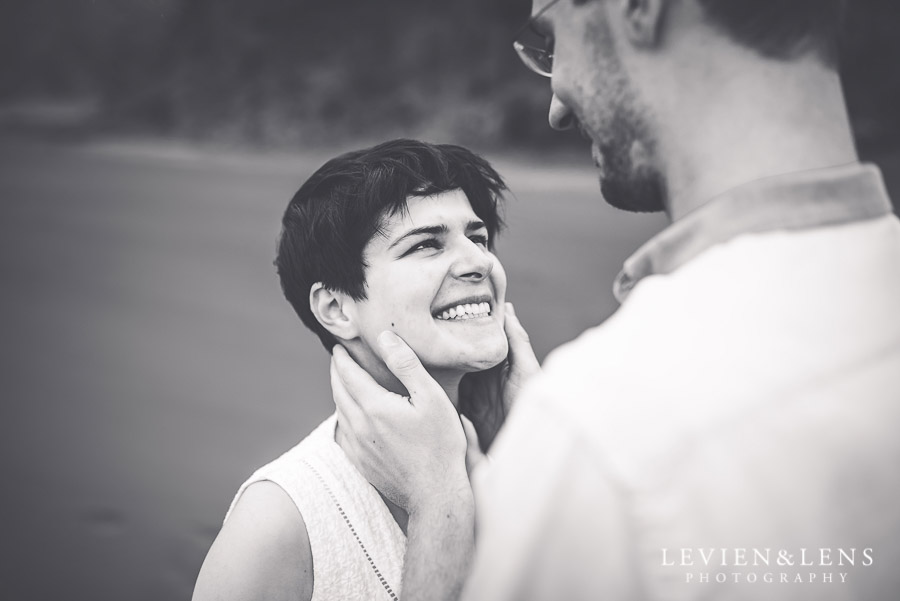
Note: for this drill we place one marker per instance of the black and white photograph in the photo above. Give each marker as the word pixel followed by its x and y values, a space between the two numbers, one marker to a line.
pixel 476 300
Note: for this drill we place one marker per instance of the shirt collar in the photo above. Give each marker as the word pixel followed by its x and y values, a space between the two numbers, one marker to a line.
pixel 793 201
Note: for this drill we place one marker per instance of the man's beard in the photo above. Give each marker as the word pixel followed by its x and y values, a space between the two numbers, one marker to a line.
pixel 613 117
pixel 630 187
pixel 626 184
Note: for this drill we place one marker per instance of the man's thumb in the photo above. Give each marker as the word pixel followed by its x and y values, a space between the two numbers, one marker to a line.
pixel 404 364
pixel 520 350
pixel 474 455
pixel 399 358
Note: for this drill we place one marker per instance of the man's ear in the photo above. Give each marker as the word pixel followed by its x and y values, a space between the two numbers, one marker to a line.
pixel 643 19
pixel 330 308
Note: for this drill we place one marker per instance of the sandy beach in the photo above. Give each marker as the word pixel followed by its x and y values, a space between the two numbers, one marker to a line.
pixel 150 363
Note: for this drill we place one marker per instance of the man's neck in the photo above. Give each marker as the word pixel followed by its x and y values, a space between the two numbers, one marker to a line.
pixel 772 118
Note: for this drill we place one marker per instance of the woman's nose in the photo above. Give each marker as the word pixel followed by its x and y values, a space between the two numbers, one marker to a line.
pixel 560 115
pixel 473 262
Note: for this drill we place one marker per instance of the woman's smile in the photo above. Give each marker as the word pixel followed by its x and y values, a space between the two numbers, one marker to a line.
pixel 466 312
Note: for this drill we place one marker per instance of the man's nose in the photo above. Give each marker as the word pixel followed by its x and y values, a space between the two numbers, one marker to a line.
pixel 561 116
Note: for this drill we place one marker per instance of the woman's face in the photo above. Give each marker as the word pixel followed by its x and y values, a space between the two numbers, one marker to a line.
pixel 431 279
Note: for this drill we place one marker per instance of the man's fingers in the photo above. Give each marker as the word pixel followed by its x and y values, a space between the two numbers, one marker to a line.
pixel 348 410
pixel 469 429
pixel 521 354
pixel 361 388
pixel 404 364
pixel 474 456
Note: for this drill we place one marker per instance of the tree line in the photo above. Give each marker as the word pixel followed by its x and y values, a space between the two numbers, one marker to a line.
pixel 296 72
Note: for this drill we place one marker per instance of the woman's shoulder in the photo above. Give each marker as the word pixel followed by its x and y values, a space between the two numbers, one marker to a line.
pixel 317 444
pixel 291 471
pixel 262 552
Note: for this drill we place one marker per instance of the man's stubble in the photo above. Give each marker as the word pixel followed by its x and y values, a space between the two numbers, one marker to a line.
pixel 624 145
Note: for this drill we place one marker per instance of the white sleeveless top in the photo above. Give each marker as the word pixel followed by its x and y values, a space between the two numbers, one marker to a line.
pixel 357 547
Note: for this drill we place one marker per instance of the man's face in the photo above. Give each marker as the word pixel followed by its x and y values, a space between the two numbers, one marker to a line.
pixel 431 279
pixel 591 85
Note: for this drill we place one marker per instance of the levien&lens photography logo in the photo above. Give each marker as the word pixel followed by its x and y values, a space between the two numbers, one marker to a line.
pixel 739 565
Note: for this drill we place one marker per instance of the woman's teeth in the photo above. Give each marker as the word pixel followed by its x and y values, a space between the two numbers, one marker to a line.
pixel 466 311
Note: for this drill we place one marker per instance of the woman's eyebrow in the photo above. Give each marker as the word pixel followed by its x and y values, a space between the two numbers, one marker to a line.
pixel 432 230
pixel 475 225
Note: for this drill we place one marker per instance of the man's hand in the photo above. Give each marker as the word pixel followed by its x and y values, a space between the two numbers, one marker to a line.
pixel 412 449
pixel 487 397
pixel 474 455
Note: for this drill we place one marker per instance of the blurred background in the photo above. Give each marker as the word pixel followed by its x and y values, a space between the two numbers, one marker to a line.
pixel 148 363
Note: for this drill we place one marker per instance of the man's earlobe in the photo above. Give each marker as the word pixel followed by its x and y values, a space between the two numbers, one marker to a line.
pixel 643 19
pixel 330 308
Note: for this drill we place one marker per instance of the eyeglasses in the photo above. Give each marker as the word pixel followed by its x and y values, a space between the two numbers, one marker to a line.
pixel 534 48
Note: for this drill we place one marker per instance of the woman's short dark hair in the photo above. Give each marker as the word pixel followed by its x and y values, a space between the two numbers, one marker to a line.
pixel 781 28
pixel 340 208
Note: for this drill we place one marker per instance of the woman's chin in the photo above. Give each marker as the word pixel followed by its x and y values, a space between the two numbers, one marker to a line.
pixel 487 360
pixel 473 358
pixel 468 365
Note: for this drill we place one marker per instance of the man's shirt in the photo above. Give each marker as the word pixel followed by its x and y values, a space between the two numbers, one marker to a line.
pixel 733 431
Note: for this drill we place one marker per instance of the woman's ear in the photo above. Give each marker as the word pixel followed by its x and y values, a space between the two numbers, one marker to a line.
pixel 330 309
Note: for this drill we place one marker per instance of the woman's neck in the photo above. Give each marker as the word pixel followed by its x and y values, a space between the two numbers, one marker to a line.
pixel 448 381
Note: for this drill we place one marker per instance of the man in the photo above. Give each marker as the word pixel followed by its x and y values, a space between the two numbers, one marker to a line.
pixel 731 431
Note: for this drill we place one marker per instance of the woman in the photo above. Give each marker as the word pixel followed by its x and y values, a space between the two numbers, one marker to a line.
pixel 393 238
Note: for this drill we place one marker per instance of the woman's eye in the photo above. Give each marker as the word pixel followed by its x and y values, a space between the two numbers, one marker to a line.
pixel 430 243
pixel 479 239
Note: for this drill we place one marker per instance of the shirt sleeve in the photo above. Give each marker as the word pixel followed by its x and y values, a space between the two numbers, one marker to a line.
pixel 551 523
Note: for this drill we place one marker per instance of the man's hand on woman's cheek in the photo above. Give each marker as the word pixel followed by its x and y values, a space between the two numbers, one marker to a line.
pixel 412 449
pixel 487 397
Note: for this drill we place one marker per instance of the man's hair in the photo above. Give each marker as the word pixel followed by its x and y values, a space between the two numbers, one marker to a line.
pixel 781 28
pixel 343 205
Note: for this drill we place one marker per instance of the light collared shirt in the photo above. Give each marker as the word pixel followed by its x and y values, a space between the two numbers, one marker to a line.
pixel 815 198
pixel 732 431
